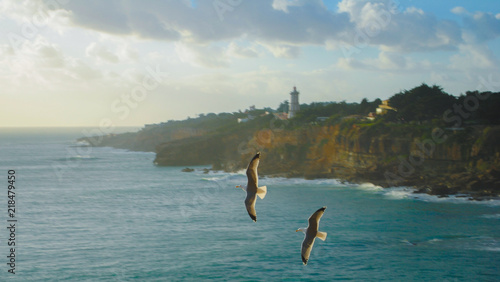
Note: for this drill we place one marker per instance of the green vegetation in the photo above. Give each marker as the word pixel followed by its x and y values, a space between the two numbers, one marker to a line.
pixel 414 112
pixel 481 106
pixel 363 141
pixel 309 113
pixel 418 109
pixel 423 106
pixel 422 103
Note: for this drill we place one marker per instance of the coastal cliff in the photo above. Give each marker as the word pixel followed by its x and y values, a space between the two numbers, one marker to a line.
pixel 424 138
pixel 443 163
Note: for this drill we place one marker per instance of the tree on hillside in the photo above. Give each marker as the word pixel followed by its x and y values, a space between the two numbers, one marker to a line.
pixel 366 107
pixel 284 106
pixel 479 107
pixel 422 103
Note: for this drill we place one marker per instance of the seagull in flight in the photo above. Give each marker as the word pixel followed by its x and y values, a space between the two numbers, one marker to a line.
pixel 253 190
pixel 311 233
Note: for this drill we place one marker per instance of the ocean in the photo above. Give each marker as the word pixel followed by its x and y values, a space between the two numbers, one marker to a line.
pixel 103 214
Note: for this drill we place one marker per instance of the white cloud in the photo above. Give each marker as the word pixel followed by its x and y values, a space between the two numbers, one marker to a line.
pixel 363 11
pixel 101 52
pixel 235 50
pixel 440 77
pixel 282 50
pixel 380 23
pixel 202 55
pixel 35 16
pixel 481 27
pixel 390 62
pixel 283 5
pixel 308 22
pixel 106 45
pixel 474 57
pixel 281 26
pixel 286 25
pixel 39 63
pixel 128 53
pixel 459 10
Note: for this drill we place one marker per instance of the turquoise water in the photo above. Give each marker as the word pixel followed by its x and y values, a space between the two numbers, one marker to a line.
pixel 103 214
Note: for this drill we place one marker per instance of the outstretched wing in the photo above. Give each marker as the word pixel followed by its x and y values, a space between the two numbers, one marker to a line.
pixel 314 219
pixel 250 205
pixel 253 177
pixel 307 246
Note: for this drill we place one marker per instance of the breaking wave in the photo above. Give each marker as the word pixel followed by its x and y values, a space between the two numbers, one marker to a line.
pixel 393 193
pixel 77 158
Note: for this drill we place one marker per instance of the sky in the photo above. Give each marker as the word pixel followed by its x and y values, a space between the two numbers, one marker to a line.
pixel 129 63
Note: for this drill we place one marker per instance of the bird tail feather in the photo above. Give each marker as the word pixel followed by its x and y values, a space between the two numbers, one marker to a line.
pixel 262 191
pixel 321 235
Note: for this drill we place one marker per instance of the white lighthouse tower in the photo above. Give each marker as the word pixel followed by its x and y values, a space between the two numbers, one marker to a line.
pixel 294 103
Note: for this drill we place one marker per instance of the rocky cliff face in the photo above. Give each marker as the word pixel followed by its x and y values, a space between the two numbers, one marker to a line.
pixel 437 161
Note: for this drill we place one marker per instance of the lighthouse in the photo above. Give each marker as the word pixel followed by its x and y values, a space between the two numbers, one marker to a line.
pixel 294 103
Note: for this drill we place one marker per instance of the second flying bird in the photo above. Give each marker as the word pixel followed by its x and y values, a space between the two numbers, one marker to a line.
pixel 253 190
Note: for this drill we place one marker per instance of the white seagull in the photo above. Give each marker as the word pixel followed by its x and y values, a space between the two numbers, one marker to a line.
pixel 311 233
pixel 253 190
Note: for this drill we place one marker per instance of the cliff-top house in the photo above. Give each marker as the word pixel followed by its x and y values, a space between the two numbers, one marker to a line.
pixel 384 108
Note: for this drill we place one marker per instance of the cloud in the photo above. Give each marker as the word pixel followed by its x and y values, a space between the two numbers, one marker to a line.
pixel 126 52
pixel 209 56
pixel 481 27
pixel 281 23
pixel 478 26
pixel 474 57
pixel 282 50
pixel 101 52
pixel 365 11
pixel 112 51
pixel 212 55
pixel 283 27
pixel 6 50
pixel 283 5
pixel 35 16
pixel 389 62
pixel 303 22
pixel 382 24
pixel 235 50
pixel 459 10
pixel 49 56
pixel 40 62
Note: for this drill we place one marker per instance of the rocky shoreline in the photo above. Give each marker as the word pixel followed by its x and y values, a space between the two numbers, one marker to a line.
pixel 472 191
pixel 456 167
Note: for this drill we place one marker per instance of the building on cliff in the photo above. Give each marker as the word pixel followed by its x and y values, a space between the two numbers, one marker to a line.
pixel 281 116
pixel 384 108
pixel 294 103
